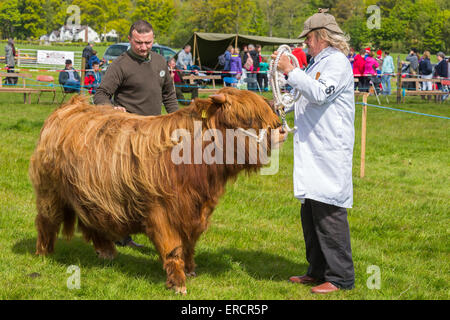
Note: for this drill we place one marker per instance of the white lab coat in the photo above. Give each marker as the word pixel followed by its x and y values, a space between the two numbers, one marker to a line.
pixel 324 116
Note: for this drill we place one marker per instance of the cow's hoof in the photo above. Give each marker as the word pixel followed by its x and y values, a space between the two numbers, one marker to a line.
pixel 106 255
pixel 181 290
pixel 191 274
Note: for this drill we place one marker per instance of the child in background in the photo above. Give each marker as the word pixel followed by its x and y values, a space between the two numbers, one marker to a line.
pixel 263 81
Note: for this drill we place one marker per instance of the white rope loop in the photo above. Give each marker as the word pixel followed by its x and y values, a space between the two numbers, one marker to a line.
pixel 277 80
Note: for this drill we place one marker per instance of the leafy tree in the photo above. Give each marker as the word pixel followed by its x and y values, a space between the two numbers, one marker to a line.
pixel 55 14
pixel 160 13
pixel 32 18
pixel 10 18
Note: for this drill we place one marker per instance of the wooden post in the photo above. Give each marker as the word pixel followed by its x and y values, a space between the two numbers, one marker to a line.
pixel 198 52
pixel 363 135
pixel 195 47
pixel 83 71
pixel 399 80
pixel 236 41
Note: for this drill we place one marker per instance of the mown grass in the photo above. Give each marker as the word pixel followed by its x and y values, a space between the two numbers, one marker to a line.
pixel 399 223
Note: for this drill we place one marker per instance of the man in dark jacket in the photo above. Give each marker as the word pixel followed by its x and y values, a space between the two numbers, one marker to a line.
pixel 252 85
pixel 69 78
pixel 138 82
pixel 88 52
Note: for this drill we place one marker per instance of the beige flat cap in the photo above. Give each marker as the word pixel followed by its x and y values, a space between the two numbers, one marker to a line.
pixel 322 19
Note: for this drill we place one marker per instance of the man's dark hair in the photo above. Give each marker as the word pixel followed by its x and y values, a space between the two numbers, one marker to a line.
pixel 386 52
pixel 95 62
pixel 141 26
pixel 414 50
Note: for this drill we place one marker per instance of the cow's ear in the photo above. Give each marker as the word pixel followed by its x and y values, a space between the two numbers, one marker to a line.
pixel 218 98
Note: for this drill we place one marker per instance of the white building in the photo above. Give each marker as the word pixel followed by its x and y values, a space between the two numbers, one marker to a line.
pixel 72 34
pixel 110 36
pixel 80 35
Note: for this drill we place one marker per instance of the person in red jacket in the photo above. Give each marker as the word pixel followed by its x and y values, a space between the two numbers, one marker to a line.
pixel 358 69
pixel 300 55
pixel 93 78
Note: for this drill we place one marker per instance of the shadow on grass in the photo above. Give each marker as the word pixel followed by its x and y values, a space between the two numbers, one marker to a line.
pixel 257 264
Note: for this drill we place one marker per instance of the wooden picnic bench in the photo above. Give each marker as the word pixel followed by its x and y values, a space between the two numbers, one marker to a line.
pixel 27 91
pixel 408 92
pixel 16 88
pixel 417 92
pixel 193 77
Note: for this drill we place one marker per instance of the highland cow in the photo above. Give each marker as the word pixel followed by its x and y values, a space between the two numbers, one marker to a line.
pixel 113 173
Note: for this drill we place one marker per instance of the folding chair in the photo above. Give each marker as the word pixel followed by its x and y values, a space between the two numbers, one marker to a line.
pixel 371 81
pixel 64 93
pixel 230 80
pixel 48 80
pixel 254 81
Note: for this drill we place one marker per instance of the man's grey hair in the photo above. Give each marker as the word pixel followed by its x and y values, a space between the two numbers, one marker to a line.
pixel 335 40
pixel 251 47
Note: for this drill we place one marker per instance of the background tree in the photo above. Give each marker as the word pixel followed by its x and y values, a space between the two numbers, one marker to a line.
pixel 10 18
pixel 424 24
pixel 32 19
pixel 160 13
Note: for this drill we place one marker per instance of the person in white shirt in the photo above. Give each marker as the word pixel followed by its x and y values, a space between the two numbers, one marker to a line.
pixel 184 61
pixel 387 70
pixel 323 150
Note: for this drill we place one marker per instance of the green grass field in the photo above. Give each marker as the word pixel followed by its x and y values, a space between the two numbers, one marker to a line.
pixel 399 222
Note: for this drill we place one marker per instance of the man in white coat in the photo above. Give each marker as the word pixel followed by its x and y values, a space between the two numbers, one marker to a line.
pixel 323 150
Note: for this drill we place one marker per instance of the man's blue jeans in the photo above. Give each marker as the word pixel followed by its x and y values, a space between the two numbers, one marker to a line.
pixel 72 86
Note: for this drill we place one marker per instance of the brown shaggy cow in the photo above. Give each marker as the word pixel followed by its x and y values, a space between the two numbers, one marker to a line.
pixel 114 173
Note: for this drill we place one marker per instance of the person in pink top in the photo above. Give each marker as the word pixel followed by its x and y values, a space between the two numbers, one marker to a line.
pixel 370 68
pixel 358 68
pixel 371 65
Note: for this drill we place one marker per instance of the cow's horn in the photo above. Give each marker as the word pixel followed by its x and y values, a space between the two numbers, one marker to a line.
pixel 218 98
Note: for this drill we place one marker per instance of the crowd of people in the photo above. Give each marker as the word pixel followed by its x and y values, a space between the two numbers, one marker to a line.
pixel 70 79
pixel 376 69
pixel 251 67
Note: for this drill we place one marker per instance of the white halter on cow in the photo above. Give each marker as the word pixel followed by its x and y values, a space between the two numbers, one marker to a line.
pixel 277 80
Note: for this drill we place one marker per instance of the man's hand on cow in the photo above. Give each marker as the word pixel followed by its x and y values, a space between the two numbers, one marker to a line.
pixel 120 108
pixel 284 64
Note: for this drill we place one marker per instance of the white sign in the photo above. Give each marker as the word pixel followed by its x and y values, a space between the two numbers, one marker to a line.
pixel 54 57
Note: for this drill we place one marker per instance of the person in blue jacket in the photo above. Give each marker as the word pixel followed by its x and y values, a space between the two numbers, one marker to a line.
pixel 93 59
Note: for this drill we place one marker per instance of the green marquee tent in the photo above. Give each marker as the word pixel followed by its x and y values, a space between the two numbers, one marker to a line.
pixel 207 47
